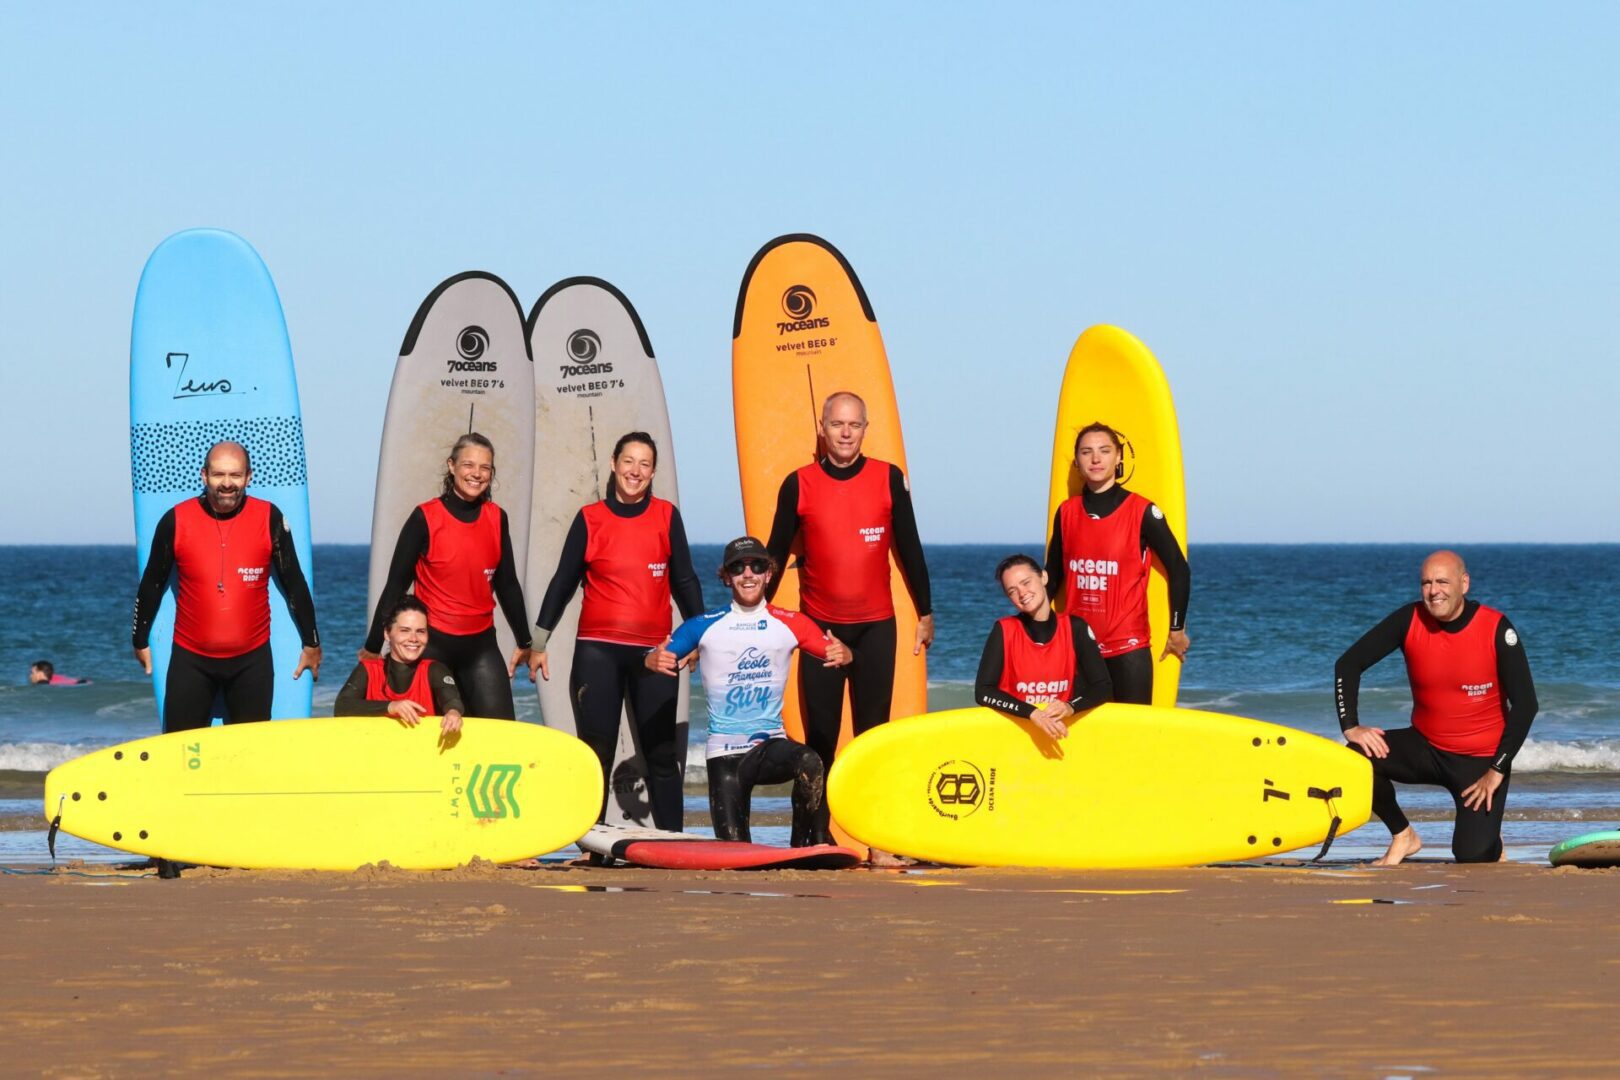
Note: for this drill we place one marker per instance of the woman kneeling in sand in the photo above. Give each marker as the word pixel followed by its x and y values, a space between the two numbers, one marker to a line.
pixel 402 684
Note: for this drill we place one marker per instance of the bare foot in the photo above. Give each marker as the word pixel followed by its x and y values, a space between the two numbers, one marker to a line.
pixel 1403 845
pixel 884 860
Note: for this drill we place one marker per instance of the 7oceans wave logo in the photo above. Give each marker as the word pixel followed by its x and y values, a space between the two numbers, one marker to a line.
pixel 471 344
pixel 582 348
pixel 799 305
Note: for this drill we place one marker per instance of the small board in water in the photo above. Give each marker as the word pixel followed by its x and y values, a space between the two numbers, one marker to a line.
pixel 1112 377
pixel 1131 786
pixel 1592 850
pixel 464 366
pixel 661 850
pixel 595 380
pixel 333 794
pixel 803 330
pixel 209 360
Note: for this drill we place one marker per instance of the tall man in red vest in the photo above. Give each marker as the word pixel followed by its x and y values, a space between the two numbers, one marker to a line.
pixel 224 546
pixel 851 511
pixel 1472 703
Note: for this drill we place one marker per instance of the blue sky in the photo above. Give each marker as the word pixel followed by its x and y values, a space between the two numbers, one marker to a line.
pixel 1374 246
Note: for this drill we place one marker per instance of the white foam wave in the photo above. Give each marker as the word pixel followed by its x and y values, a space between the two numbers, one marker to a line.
pixel 1584 755
pixel 39 756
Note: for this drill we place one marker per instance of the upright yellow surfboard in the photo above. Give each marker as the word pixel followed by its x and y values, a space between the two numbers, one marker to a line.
pixel 1131 786
pixel 803 330
pixel 1113 378
pixel 333 794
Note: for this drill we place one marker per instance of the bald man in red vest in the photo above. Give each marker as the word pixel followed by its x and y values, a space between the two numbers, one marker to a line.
pixel 224 547
pixel 1472 703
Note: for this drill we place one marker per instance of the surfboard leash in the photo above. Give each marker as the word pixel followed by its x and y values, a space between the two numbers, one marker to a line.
pixel 56 825
pixel 1327 798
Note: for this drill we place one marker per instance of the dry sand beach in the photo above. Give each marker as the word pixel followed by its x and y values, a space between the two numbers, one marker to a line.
pixel 1278 969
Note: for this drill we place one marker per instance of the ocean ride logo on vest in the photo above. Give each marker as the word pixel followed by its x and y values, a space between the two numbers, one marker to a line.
pixel 799 305
pixel 873 534
pixel 1093 575
pixel 1040 692
pixel 956 789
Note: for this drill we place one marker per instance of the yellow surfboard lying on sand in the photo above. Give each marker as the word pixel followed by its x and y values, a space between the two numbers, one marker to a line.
pixel 333 794
pixel 803 330
pixel 1131 786
pixel 1113 378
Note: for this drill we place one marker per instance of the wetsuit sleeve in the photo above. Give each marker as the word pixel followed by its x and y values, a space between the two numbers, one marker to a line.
pixel 565 580
pixel 412 543
pixel 290 576
pixel 1513 675
pixel 1374 645
pixel 352 700
pixel 509 591
pixel 908 547
pixel 1056 569
pixel 683 579
pixel 784 528
pixel 446 695
pixel 155 579
pixel 1090 670
pixel 987 685
pixel 1157 538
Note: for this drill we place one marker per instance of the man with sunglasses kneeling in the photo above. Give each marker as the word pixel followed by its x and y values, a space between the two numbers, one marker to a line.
pixel 742 651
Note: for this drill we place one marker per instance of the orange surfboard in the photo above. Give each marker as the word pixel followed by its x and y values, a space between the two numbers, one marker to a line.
pixel 803 330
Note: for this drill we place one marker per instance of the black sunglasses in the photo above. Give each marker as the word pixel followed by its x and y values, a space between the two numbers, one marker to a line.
pixel 758 566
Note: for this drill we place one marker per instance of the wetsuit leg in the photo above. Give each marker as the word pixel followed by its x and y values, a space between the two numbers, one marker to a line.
pixel 871 676
pixel 1477 834
pixel 778 761
pixel 821 690
pixel 653 700
pixel 1132 676
pixel 250 686
pixel 480 671
pixel 596 689
pixel 728 804
pixel 188 694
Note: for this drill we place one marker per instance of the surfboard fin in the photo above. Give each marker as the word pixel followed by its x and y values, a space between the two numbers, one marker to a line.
pixel 1327 798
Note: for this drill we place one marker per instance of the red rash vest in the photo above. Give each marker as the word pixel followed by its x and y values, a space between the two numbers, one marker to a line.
pixel 1456 695
pixel 223 568
pixel 377 688
pixel 1033 673
pixel 627 598
pixel 1108 573
pixel 847 527
pixel 453 578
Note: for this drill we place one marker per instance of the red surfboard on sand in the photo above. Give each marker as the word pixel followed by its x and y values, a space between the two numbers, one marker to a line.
pixel 681 851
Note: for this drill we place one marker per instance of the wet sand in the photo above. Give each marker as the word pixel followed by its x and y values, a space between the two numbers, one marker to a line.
pixel 1248 971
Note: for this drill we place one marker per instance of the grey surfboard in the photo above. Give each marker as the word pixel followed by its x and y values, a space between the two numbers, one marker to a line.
pixel 595 379
pixel 464 366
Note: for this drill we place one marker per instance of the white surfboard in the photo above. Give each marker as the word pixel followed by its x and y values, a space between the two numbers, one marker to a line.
pixel 464 366
pixel 595 380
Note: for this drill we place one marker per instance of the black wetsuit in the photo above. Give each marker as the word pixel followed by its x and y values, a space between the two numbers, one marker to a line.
pixel 246 682
pixel 352 700
pixel 733 777
pixel 608 676
pixel 1091 683
pixel 1412 759
pixel 474 659
pixel 1132 672
pixel 870 674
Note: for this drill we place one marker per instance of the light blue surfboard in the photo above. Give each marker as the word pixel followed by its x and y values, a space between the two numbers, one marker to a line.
pixel 209 359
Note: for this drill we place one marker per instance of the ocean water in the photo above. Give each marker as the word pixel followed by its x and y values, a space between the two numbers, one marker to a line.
pixel 1266 622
